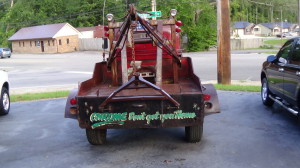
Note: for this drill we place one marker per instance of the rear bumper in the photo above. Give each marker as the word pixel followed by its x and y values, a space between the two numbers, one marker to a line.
pixel 141 114
pixel 5 55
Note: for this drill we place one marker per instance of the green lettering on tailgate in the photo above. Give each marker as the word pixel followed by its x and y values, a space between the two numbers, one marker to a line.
pixel 100 119
pixel 108 118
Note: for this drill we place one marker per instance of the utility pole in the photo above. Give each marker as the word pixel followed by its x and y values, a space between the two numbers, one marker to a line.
pixel 153 4
pixel 224 57
pixel 103 36
pixel 271 12
pixel 11 5
pixel 256 14
pixel 298 17
pixel 281 22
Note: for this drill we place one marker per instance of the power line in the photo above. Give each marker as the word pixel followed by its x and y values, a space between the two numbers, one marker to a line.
pixel 76 14
pixel 271 4
pixel 64 16
pixel 96 12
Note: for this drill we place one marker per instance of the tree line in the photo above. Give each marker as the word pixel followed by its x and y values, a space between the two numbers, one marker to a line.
pixel 259 11
pixel 198 16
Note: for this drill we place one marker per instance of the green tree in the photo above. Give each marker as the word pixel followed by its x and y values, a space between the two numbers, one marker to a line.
pixel 199 21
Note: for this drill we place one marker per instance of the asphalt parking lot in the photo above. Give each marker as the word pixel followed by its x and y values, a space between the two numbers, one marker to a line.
pixel 245 134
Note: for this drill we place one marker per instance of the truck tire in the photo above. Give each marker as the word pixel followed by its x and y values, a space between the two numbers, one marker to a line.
pixel 96 136
pixel 193 134
pixel 4 101
pixel 265 92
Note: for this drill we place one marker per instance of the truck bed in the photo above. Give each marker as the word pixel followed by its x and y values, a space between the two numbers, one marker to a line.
pixel 184 86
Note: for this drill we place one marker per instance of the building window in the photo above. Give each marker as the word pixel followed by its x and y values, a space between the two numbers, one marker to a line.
pixel 59 42
pixel 23 44
pixel 48 42
pixel 256 29
pixel 19 43
pixel 68 41
pixel 37 43
pixel 30 43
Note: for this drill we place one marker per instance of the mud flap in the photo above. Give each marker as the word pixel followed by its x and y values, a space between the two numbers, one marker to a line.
pixel 212 106
pixel 72 94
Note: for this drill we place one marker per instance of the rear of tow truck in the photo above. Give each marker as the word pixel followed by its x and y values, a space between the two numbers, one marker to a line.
pixel 145 83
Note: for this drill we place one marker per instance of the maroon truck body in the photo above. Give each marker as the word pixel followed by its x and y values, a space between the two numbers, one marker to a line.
pixel 145 83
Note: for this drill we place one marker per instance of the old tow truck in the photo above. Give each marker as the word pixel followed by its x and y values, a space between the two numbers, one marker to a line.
pixel 144 83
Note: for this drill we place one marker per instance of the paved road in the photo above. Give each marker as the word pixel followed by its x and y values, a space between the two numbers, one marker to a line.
pixel 35 72
pixel 244 66
pixel 29 72
pixel 246 134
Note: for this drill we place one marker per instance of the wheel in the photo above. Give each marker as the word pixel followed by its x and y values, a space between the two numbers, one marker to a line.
pixel 4 102
pixel 96 136
pixel 194 133
pixel 265 92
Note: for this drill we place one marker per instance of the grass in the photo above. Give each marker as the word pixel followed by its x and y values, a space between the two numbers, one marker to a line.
pixel 270 52
pixel 247 88
pixel 266 47
pixel 38 96
pixel 61 94
pixel 277 42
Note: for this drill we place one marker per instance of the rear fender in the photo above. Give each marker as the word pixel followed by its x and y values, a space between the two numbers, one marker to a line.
pixel 70 107
pixel 211 106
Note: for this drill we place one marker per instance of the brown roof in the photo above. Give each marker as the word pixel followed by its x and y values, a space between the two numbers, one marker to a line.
pixel 37 32
pixel 81 29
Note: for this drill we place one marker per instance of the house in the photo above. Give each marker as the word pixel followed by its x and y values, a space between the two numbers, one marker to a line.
pixel 99 33
pixel 86 32
pixel 242 28
pixel 91 32
pixel 51 38
pixel 271 29
pixel 91 38
pixel 293 27
pixel 267 29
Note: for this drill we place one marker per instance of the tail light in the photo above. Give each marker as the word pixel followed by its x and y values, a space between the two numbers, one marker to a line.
pixel 178 30
pixel 73 111
pixel 106 31
pixel 106 28
pixel 73 101
pixel 206 97
pixel 178 23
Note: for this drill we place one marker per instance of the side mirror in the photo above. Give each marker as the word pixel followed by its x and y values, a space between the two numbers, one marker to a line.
pixel 105 43
pixel 271 58
pixel 282 61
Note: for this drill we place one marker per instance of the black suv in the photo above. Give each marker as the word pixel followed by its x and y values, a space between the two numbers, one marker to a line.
pixel 280 77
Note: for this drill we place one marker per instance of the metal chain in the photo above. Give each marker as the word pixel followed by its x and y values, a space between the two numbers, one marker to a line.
pixel 132 27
